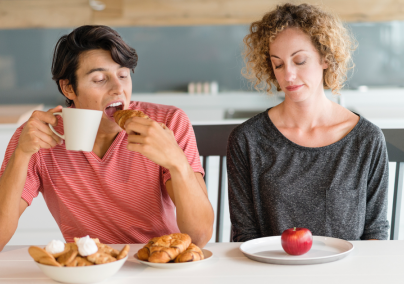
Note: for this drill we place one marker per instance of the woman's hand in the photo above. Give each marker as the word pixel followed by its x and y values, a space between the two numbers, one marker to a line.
pixel 154 141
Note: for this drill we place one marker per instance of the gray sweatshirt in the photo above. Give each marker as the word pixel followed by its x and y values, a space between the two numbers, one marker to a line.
pixel 339 190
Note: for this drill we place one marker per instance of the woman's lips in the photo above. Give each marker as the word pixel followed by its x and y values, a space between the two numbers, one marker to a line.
pixel 294 87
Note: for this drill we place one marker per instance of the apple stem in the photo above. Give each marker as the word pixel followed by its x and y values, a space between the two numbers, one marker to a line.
pixel 294 228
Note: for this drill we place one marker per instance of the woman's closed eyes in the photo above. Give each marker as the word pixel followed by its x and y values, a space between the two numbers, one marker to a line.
pixel 297 63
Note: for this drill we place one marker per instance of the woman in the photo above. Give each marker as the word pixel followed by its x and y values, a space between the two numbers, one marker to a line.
pixel 307 162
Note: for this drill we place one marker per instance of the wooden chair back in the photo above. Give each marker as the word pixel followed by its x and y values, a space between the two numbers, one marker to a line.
pixel 212 141
pixel 395 149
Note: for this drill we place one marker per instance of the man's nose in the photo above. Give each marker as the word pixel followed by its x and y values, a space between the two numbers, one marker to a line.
pixel 116 86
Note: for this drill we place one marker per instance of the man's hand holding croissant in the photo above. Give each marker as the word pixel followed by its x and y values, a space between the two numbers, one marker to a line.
pixel 153 140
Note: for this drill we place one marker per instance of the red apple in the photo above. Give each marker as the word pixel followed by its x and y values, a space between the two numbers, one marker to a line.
pixel 297 241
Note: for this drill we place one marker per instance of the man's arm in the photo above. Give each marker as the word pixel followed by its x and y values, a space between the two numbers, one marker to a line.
pixel 186 188
pixel 11 205
pixel 194 211
pixel 35 135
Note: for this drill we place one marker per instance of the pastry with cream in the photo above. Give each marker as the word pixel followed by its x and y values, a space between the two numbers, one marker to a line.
pixel 83 252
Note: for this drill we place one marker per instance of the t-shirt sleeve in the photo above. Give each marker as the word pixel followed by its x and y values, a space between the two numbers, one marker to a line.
pixel 244 224
pixel 376 224
pixel 33 181
pixel 179 123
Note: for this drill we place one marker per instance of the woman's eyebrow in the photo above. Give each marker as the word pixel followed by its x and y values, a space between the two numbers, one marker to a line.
pixel 290 55
pixel 296 52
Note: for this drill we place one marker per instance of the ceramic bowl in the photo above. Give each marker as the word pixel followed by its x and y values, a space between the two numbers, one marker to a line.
pixel 82 274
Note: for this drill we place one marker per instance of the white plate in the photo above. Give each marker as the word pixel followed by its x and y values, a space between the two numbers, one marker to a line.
pixel 171 265
pixel 82 274
pixel 269 250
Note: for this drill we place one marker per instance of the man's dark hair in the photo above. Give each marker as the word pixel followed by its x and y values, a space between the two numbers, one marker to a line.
pixel 69 47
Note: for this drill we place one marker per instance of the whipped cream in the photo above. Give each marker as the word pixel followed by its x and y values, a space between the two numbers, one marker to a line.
pixel 86 246
pixel 55 247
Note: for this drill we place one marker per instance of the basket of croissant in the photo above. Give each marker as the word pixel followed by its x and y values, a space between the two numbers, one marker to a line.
pixel 84 261
pixel 172 251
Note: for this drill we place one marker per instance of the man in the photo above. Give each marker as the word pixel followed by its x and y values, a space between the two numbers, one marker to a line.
pixel 130 188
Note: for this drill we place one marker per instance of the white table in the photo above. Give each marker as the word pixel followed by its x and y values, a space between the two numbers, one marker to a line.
pixel 370 262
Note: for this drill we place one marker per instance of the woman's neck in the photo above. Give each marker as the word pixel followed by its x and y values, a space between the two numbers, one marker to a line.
pixel 310 113
pixel 314 122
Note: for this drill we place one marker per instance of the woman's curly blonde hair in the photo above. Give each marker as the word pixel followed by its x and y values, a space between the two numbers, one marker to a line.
pixel 332 40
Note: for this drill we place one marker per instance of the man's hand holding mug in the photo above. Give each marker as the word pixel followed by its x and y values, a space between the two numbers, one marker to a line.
pixel 36 133
pixel 80 130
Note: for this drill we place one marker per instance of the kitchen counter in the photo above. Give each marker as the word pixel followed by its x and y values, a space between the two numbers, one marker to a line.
pixel 382 106
pixel 17 114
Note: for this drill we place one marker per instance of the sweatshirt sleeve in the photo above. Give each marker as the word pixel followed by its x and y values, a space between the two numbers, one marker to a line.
pixel 241 205
pixel 376 224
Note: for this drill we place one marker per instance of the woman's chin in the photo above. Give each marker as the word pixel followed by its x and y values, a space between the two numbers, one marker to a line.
pixel 296 97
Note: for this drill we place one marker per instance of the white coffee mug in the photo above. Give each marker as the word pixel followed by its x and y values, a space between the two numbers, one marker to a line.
pixel 80 127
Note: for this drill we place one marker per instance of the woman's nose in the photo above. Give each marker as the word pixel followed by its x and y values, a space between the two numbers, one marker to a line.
pixel 290 73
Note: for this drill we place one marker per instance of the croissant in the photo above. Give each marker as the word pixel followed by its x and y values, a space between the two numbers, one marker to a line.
pixel 165 248
pixel 193 253
pixel 144 253
pixel 180 241
pixel 121 116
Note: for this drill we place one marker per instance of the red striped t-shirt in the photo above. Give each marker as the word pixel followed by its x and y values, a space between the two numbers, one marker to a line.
pixel 120 198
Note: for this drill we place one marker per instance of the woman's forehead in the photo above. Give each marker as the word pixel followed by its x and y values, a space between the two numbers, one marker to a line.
pixel 289 41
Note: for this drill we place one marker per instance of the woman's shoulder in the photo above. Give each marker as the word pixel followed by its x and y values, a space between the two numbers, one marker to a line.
pixel 369 130
pixel 359 128
pixel 251 127
pixel 369 136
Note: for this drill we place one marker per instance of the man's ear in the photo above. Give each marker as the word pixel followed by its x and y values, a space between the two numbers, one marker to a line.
pixel 67 89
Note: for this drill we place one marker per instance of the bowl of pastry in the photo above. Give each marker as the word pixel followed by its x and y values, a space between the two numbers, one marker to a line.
pixel 84 261
pixel 172 251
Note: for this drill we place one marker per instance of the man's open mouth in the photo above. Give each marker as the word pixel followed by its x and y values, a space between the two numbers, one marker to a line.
pixel 112 108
